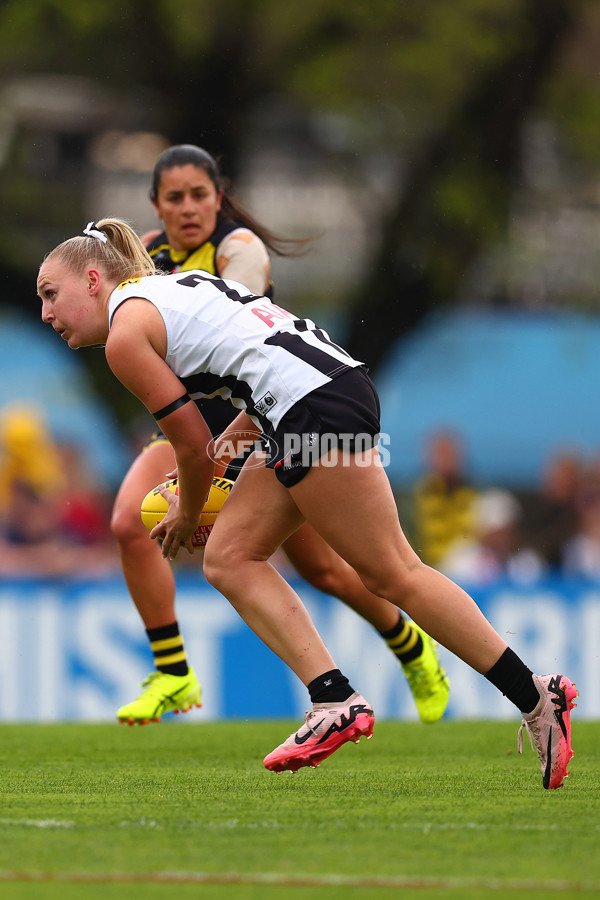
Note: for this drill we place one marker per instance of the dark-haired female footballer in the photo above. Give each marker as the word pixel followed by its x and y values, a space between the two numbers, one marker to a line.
pixel 172 338
pixel 205 228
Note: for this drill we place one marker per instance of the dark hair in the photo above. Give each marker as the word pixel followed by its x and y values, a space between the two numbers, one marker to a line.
pixel 184 155
pixel 191 155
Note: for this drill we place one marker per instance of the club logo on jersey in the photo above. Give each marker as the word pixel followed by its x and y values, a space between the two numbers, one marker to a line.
pixel 129 281
pixel 265 404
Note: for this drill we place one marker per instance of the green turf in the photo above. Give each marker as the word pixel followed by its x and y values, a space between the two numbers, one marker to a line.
pixel 448 811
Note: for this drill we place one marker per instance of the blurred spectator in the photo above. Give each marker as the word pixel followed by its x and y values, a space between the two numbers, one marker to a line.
pixel 85 506
pixel 553 513
pixel 28 454
pixel 27 517
pixel 443 499
pixel 52 520
pixel 582 552
pixel 496 550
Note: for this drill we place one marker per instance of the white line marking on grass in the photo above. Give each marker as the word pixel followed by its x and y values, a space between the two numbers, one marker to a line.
pixel 428 827
pixel 422 827
pixel 145 823
pixel 232 824
pixel 332 880
pixel 38 823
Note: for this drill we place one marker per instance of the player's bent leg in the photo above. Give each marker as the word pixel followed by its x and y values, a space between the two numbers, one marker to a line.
pixel 236 563
pixel 355 493
pixel 173 687
pixel 149 577
pixel 416 652
pixel 356 489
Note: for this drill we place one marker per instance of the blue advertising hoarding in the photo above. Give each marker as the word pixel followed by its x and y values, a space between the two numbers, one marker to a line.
pixel 77 650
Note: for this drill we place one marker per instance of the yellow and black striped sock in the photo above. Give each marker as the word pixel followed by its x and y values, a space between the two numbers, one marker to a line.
pixel 404 640
pixel 167 647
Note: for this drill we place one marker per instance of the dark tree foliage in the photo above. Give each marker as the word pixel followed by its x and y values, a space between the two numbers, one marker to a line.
pixel 443 87
pixel 426 248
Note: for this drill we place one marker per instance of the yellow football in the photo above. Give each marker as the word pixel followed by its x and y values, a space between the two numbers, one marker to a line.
pixel 155 506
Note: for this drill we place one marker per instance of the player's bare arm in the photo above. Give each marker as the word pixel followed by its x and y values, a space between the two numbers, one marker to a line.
pixel 135 351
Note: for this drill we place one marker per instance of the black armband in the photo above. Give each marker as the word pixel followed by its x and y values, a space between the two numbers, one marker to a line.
pixel 171 407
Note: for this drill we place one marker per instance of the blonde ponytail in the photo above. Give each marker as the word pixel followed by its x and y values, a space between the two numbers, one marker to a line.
pixel 120 256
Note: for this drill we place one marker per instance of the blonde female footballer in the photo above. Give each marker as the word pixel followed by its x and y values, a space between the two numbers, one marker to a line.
pixel 205 228
pixel 173 338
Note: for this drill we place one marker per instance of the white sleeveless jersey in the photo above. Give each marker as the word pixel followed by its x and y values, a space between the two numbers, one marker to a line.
pixel 224 340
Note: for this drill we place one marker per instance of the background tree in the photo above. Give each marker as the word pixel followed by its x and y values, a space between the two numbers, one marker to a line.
pixel 456 196
pixel 440 91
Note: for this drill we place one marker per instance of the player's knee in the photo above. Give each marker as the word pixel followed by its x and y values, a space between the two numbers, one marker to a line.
pixel 392 582
pixel 226 561
pixel 219 557
pixel 216 571
pixel 125 526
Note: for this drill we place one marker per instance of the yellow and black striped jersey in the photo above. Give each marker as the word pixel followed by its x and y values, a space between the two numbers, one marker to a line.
pixel 205 256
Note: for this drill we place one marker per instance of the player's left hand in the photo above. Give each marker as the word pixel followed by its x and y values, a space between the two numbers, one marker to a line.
pixel 173 531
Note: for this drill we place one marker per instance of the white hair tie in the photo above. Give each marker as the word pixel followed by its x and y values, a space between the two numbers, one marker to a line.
pixel 92 231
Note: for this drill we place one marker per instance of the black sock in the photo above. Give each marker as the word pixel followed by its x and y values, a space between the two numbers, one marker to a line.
pixel 403 640
pixel 512 677
pixel 167 647
pixel 330 687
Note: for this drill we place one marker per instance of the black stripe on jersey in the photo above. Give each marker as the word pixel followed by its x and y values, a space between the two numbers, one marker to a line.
pixel 302 325
pixel 314 356
pixel 208 383
pixel 195 278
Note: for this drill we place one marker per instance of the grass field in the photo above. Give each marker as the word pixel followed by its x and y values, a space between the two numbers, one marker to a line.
pixel 179 811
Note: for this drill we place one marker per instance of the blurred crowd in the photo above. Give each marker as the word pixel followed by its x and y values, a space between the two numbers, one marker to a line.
pixel 55 512
pixel 478 534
